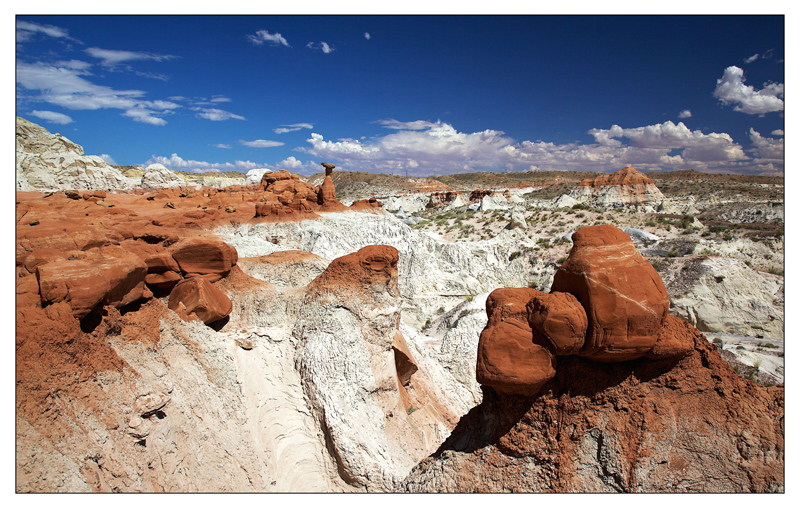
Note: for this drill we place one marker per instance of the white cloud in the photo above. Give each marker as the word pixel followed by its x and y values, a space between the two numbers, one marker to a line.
pixel 414 126
pixel 367 35
pixel 108 159
pixel 112 57
pixel 52 116
pixel 777 132
pixel 746 99
pixel 26 30
pixel 217 115
pixel 261 143
pixel 291 162
pixel 222 145
pixel 262 36
pixel 324 46
pixel 194 166
pixel 766 149
pixel 685 114
pixel 66 87
pixel 424 147
pixel 293 127
pixel 751 59
pixel 220 98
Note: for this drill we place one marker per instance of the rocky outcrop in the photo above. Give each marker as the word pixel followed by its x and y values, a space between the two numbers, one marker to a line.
pixel 157 176
pixel 204 256
pixel 50 162
pixel 673 425
pixel 606 303
pixel 625 187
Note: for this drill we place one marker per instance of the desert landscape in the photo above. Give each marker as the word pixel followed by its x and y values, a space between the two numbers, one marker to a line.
pixel 529 331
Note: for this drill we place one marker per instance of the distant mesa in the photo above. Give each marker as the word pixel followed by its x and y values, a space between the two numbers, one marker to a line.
pixel 624 187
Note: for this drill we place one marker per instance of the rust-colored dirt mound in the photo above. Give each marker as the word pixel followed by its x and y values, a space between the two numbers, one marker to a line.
pixel 682 425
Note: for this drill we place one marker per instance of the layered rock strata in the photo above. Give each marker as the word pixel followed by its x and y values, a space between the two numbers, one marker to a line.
pixel 624 187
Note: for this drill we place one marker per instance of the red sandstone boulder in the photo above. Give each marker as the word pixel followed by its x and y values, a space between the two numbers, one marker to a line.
pixel 508 359
pixel 84 280
pixel 559 319
pixel 623 295
pixel 197 298
pixel 202 255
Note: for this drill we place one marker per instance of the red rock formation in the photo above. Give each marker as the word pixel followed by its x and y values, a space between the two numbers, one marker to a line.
pixel 438 199
pixel 204 256
pixel 197 298
pixel 674 425
pixel 84 280
pixel 374 264
pixel 508 360
pixel 624 297
pixel 626 187
pixel 479 194
pixel 625 176
pixel 559 319
pixel 327 193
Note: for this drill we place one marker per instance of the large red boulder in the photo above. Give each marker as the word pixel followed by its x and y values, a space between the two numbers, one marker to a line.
pixel 623 295
pixel 197 298
pixel 508 359
pixel 204 256
pixel 107 276
pixel 327 193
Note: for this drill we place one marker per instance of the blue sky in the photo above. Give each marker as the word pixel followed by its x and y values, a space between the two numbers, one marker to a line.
pixel 416 95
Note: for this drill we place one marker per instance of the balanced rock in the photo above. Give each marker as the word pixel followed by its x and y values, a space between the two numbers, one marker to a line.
pixel 508 359
pixel 328 168
pixel 197 298
pixel 623 295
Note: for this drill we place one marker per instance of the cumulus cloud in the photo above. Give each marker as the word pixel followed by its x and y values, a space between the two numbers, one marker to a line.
pixel 112 57
pixel 745 98
pixel 26 30
pixel 423 148
pixel 766 150
pixel 178 163
pixel 261 143
pixel 217 115
pixel 367 35
pixel 290 162
pixel 685 114
pixel 777 132
pixel 262 36
pixel 52 116
pixel 293 127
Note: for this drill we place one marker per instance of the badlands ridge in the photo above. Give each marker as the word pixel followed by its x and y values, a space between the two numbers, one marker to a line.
pixel 218 333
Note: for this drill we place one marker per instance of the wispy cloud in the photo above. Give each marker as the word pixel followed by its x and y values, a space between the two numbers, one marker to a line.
pixel 293 127
pixel 178 163
pixel 367 36
pixel 112 57
pixel 261 143
pixel 217 115
pixel 685 114
pixel 262 36
pixel 222 145
pixel 324 46
pixel 751 59
pixel 745 98
pixel 413 126
pixel 66 86
pixel 108 159
pixel 52 116
pixel 26 30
